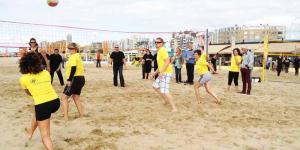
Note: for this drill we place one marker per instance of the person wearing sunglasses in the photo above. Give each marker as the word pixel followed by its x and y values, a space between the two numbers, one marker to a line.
pixel 118 60
pixel 75 82
pixel 34 47
pixel 37 83
pixel 162 84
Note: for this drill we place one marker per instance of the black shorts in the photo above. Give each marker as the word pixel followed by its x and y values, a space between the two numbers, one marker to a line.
pixel 76 86
pixel 43 111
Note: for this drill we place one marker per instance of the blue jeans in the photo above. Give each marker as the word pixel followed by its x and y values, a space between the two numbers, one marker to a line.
pixel 178 74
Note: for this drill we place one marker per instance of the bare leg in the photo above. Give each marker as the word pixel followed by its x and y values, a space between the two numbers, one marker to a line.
pixel 44 127
pixel 162 96
pixel 169 99
pixel 34 125
pixel 196 88
pixel 78 105
pixel 218 101
pixel 65 103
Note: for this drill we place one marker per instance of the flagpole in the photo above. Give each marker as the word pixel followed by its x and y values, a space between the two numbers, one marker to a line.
pixel 266 51
pixel 206 42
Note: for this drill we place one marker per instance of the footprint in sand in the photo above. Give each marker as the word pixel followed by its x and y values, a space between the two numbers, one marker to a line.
pixel 75 141
pixel 97 132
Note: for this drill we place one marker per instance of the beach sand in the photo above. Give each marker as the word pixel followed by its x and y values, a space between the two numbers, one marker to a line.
pixel 134 118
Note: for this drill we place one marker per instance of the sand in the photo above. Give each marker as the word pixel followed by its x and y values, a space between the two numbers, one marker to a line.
pixel 134 118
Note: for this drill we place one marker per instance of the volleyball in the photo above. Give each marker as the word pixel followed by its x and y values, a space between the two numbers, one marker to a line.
pixel 52 3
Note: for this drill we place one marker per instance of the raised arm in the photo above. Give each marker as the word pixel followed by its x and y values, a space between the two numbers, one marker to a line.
pixel 44 54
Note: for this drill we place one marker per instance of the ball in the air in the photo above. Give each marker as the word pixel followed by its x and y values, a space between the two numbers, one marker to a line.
pixel 52 3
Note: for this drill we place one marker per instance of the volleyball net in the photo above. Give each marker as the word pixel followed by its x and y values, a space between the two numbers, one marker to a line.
pixel 14 36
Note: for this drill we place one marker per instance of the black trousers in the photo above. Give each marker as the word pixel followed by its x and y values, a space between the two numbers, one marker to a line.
pixel 143 71
pixel 296 70
pixel 61 80
pixel 98 63
pixel 118 70
pixel 233 76
pixel 190 72
pixel 215 66
pixel 278 70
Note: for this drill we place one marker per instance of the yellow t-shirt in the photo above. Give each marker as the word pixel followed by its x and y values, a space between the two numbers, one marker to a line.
pixel 75 60
pixel 233 66
pixel 39 86
pixel 162 55
pixel 201 65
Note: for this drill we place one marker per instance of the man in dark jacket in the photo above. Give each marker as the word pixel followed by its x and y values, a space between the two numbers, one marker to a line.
pixel 55 65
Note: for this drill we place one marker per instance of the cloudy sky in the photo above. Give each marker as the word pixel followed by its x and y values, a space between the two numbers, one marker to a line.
pixel 148 15
pixel 153 15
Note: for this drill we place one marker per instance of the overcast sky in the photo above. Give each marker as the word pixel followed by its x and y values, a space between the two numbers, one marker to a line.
pixel 153 15
pixel 140 16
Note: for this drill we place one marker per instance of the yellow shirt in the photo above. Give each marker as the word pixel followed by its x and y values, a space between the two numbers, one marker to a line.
pixel 75 60
pixel 39 86
pixel 201 65
pixel 162 55
pixel 233 66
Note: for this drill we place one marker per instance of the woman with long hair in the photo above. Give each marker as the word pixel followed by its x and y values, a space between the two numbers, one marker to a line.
pixel 178 62
pixel 236 59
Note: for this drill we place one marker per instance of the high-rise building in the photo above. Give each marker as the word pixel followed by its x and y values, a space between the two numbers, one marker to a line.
pixel 60 45
pixel 96 46
pixel 240 34
pixel 69 38
pixel 181 39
